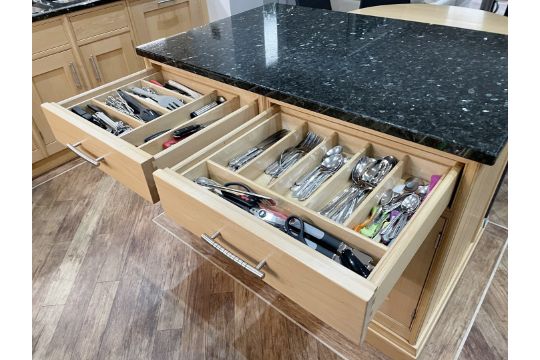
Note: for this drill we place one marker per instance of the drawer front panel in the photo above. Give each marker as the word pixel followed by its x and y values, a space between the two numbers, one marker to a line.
pixel 48 35
pixel 307 278
pixel 127 164
pixel 99 22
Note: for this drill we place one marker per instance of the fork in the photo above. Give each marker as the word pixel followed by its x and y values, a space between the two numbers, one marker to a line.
pixel 291 155
pixel 168 102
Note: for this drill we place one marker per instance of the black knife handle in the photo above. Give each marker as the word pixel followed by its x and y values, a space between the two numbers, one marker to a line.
pixel 319 236
pixel 155 135
pixel 350 261
pixel 87 116
pixel 134 104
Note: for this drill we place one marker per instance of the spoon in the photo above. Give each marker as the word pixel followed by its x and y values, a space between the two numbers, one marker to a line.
pixel 331 209
pixel 408 206
pixel 411 184
pixel 328 166
pixel 338 149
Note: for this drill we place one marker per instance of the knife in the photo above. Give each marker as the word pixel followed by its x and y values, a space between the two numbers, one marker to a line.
pixel 145 114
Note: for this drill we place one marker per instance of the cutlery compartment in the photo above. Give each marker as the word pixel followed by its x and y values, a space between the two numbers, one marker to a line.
pixel 126 157
pixel 180 119
pixel 410 166
pixel 352 150
pixel 254 137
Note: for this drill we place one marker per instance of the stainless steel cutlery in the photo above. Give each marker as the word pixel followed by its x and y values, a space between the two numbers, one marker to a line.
pixel 309 183
pixel 166 101
pixel 291 155
pixel 366 175
pixel 241 159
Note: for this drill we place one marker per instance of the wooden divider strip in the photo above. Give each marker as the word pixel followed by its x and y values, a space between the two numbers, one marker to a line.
pixel 305 164
pixel 168 121
pixel 155 145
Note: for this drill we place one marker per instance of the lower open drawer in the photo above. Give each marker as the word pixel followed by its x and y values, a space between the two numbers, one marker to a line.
pixel 336 295
pixel 131 157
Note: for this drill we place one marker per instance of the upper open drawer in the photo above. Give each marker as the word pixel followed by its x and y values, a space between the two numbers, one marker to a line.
pixel 308 275
pixel 132 156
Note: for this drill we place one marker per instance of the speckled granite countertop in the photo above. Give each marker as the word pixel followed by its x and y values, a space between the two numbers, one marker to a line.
pixel 52 9
pixel 442 87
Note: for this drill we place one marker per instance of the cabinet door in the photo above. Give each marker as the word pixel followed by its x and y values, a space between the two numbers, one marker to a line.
pixel 38 147
pixel 398 311
pixel 54 77
pixel 155 19
pixel 110 59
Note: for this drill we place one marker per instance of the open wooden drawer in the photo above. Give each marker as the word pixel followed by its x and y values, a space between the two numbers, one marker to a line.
pixel 338 296
pixel 127 157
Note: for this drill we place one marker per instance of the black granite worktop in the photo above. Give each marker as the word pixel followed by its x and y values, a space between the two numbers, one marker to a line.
pixel 52 9
pixel 439 86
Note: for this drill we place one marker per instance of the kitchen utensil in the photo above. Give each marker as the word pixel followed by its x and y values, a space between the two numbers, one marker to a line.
pixel 155 135
pixel 325 170
pixel 408 206
pixel 117 102
pixel 330 246
pixel 183 89
pixel 140 111
pixel 166 101
pixel 157 83
pixel 181 134
pixel 186 131
pixel 240 160
pixel 366 174
pixel 209 183
pixel 333 151
pixel 208 107
pixel 291 155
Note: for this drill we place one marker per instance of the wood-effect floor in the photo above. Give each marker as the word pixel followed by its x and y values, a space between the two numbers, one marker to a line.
pixel 109 282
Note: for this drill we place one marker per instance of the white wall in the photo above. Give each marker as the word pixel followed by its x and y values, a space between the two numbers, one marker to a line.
pixel 218 9
pixel 238 6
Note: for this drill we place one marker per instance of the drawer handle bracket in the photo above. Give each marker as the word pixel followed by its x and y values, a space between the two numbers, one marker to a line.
pixel 254 270
pixel 84 156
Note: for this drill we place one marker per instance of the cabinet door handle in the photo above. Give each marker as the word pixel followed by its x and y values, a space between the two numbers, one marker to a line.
pixel 95 67
pixel 253 270
pixel 75 75
pixel 163 1
pixel 83 155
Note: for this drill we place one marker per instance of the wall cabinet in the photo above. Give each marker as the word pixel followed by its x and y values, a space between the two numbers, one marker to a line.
pixel 109 59
pixel 155 19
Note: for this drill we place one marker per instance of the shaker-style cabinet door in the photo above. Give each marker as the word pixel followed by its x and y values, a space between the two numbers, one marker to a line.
pixel 54 77
pixel 155 19
pixel 38 147
pixel 109 59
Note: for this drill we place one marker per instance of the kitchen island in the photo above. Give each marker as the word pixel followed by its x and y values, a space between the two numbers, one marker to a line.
pixel 369 85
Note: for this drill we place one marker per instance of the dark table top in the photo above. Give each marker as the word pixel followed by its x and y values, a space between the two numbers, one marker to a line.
pixel 439 86
pixel 52 9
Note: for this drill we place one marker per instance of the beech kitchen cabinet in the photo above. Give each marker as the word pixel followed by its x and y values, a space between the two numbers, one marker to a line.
pixel 155 19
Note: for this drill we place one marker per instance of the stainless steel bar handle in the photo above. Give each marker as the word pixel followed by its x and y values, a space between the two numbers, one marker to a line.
pixel 97 73
pixel 163 1
pixel 75 75
pixel 254 270
pixel 84 156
